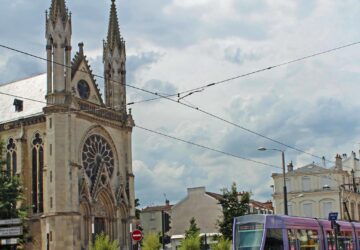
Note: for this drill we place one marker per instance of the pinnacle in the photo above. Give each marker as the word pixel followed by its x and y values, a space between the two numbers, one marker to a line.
pixel 113 37
pixel 58 8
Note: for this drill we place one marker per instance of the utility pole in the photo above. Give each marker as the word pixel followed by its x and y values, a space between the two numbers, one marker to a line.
pixel 163 229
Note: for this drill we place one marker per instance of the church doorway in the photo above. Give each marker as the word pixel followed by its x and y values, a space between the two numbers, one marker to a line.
pixel 99 224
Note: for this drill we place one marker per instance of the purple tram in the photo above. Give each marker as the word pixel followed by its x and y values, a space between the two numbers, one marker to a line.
pixel 278 232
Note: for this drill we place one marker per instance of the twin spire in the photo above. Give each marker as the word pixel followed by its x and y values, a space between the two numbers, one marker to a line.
pixel 58 9
pixel 113 37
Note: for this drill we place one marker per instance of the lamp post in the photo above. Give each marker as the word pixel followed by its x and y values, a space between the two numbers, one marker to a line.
pixel 283 168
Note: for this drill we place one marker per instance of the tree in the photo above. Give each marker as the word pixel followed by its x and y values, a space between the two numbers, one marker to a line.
pixel 103 242
pixel 223 244
pixel 151 242
pixel 137 211
pixel 11 199
pixel 190 243
pixel 232 207
pixel 193 230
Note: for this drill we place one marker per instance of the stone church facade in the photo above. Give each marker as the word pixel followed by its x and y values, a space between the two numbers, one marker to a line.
pixel 71 148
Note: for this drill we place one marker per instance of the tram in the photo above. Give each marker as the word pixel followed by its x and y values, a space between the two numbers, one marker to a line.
pixel 278 232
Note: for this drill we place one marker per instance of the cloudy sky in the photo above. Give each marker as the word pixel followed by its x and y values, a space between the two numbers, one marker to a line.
pixel 176 45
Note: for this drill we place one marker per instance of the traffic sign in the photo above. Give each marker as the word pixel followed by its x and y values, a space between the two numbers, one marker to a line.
pixel 333 216
pixel 11 231
pixel 10 222
pixel 12 241
pixel 136 235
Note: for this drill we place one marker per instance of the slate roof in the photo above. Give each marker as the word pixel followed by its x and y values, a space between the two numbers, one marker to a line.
pixel 32 88
pixel 310 169
pixel 157 208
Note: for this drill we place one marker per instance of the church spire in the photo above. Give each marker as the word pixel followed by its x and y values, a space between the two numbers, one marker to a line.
pixel 58 48
pixel 114 58
pixel 113 37
pixel 58 9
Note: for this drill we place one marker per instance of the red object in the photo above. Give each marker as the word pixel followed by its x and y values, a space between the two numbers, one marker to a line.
pixel 136 235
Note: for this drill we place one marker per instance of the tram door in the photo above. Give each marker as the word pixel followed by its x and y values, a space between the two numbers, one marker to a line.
pixel 99 225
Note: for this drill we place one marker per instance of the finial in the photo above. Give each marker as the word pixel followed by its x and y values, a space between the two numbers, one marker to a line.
pixel 81 48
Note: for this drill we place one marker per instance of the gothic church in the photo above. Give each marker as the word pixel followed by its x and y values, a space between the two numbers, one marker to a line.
pixel 71 148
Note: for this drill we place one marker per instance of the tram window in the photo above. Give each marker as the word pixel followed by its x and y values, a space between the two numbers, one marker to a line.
pixel 345 240
pixel 330 240
pixel 274 240
pixel 308 239
pixel 292 239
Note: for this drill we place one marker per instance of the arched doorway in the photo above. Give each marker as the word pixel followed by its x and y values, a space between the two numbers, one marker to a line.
pixel 85 224
pixel 104 214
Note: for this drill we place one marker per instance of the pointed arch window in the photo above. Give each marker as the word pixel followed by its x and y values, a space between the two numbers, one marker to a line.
pixel 11 164
pixel 37 173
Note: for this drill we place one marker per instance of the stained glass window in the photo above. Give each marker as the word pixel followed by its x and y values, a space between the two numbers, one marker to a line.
pixel 97 151
pixel 37 174
pixel 11 167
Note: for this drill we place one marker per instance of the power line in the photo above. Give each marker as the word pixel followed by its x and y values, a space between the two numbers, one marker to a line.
pixel 203 87
pixel 168 136
pixel 187 105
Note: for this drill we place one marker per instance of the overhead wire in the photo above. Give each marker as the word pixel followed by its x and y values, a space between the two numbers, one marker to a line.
pixel 163 134
pixel 203 87
pixel 208 85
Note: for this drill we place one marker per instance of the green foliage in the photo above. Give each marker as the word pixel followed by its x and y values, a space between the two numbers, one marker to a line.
pixel 137 211
pixel 151 242
pixel 103 242
pixel 193 230
pixel 223 244
pixel 232 207
pixel 11 193
pixel 11 197
pixel 190 243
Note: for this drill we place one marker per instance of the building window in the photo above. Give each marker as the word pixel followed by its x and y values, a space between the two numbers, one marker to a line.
pixel 327 208
pixel 307 207
pixel 37 174
pixel 11 163
pixel 326 182
pixel 352 210
pixel 306 184
pixel 288 185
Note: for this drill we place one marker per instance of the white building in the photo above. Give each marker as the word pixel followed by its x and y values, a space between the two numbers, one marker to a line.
pixel 314 191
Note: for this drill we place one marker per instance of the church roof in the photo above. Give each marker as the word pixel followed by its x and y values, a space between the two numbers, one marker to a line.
pixel 33 88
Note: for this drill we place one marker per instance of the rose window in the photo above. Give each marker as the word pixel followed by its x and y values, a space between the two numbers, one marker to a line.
pixel 97 151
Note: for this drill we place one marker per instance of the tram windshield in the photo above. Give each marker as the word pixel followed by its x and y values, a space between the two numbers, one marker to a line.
pixel 249 236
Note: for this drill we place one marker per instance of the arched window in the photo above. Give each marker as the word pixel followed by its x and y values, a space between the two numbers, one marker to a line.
pixel 37 174
pixel 11 167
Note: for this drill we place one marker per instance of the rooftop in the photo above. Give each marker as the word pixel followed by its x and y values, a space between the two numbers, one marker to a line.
pixel 31 91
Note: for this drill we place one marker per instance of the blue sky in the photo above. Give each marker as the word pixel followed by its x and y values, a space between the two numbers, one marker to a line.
pixel 175 45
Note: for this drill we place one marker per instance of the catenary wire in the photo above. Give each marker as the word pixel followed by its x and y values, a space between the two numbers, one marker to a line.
pixel 165 135
pixel 203 87
pixel 184 104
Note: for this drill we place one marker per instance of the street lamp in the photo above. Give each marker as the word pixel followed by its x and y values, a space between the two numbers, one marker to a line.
pixel 283 168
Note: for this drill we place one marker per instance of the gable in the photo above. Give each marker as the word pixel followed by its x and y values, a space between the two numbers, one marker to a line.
pixel 83 84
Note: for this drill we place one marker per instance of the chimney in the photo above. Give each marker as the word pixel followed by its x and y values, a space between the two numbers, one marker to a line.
pixel 338 162
pixel 290 167
pixel 167 202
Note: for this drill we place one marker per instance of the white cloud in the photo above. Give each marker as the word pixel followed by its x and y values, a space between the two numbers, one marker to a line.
pixel 178 45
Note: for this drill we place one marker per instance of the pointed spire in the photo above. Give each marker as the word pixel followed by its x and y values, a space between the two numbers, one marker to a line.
pixel 58 8
pixel 113 38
